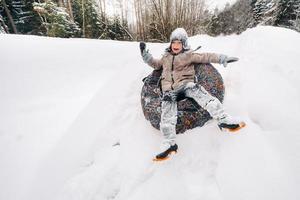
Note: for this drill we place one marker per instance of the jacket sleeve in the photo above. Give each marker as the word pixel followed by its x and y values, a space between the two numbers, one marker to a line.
pixel 155 63
pixel 205 58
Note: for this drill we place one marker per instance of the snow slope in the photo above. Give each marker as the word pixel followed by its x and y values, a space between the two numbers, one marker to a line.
pixel 72 128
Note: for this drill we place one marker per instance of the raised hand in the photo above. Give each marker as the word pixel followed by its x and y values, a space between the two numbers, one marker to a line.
pixel 142 47
pixel 224 60
pixel 145 53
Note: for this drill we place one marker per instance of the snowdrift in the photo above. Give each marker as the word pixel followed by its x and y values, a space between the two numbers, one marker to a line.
pixel 72 127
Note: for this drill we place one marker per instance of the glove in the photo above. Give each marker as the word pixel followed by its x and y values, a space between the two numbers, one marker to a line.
pixel 169 96
pixel 145 53
pixel 224 60
pixel 142 47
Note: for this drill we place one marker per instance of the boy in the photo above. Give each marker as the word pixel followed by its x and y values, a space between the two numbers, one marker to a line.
pixel 178 78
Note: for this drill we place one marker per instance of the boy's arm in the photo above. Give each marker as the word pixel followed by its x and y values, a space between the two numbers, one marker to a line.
pixel 205 58
pixel 155 63
pixel 212 58
pixel 147 57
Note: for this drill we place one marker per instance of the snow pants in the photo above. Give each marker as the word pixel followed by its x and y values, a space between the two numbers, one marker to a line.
pixel 169 109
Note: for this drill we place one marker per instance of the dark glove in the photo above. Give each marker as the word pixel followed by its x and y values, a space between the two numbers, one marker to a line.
pixel 145 53
pixel 142 47
pixel 224 60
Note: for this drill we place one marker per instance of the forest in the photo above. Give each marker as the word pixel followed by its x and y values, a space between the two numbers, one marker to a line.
pixel 147 20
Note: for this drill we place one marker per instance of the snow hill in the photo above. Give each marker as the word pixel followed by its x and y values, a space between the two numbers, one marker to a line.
pixel 72 127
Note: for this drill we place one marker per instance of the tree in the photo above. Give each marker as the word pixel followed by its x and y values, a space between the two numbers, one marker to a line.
pixel 258 11
pixel 19 16
pixel 288 13
pixel 118 30
pixel 28 21
pixel 88 18
pixel 232 19
pixel 9 16
pixel 296 23
pixel 156 19
pixel 3 26
pixel 70 10
pixel 56 20
pixel 243 16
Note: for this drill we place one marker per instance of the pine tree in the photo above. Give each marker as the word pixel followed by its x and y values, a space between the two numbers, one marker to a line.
pixel 265 12
pixel 6 12
pixel 3 26
pixel 213 27
pixel 19 16
pixel 243 16
pixel 31 22
pixel 118 30
pixel 288 13
pixel 296 23
pixel 89 20
pixel 260 7
pixel 223 22
pixel 56 20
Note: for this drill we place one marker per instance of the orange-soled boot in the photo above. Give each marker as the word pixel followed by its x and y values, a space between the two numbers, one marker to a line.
pixel 165 154
pixel 232 127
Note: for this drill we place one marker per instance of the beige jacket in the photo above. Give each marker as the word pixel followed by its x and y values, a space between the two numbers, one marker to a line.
pixel 179 69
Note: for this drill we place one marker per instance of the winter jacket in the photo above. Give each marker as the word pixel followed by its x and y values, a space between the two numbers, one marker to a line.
pixel 179 69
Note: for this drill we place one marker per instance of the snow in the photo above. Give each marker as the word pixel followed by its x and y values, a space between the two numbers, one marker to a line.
pixel 72 126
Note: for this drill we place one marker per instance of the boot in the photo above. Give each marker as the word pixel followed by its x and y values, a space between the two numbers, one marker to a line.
pixel 230 124
pixel 165 154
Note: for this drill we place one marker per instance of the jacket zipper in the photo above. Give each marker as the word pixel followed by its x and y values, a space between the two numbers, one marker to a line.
pixel 172 72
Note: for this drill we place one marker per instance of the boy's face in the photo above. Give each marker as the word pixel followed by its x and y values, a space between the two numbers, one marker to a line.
pixel 176 46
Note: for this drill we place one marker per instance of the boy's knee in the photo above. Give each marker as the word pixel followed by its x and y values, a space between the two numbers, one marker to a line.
pixel 191 85
pixel 213 103
pixel 167 128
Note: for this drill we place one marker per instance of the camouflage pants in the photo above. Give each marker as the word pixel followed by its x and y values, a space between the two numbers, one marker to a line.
pixel 169 109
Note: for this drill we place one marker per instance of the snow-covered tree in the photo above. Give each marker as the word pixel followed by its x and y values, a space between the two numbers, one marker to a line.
pixel 56 20
pixel 19 16
pixel 296 23
pixel 3 27
pixel 6 12
pixel 264 12
pixel 19 13
pixel 233 19
pixel 243 16
pixel 288 13
pixel 118 30
pixel 31 20
pixel 89 19
pixel 283 13
pixel 219 23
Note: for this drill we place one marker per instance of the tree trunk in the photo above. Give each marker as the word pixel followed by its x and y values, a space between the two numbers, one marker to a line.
pixel 9 17
pixel 61 3
pixel 83 18
pixel 69 2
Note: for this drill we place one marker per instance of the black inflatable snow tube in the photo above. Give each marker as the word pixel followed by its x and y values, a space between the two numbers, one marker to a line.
pixel 190 114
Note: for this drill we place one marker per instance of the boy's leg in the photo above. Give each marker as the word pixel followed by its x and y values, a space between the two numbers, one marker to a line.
pixel 206 101
pixel 168 120
pixel 168 126
pixel 213 106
